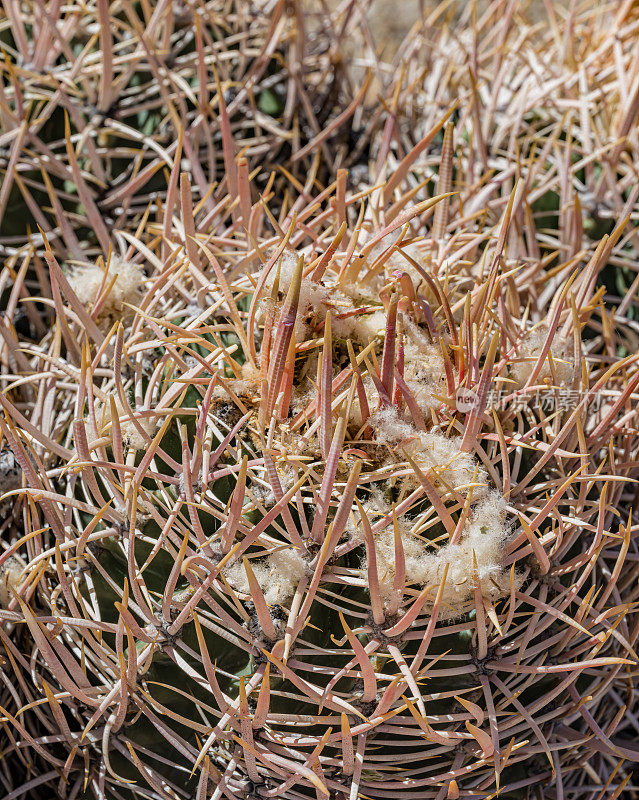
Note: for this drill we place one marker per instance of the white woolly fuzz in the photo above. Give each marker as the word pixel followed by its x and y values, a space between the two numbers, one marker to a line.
pixel 388 426
pixel 11 573
pixel 242 387
pixel 441 456
pixel 529 351
pixel 10 472
pixel 424 369
pixel 481 541
pixel 436 455
pixel 131 435
pixel 355 415
pixel 396 262
pixel 316 300
pixel 278 575
pixel 312 300
pixel 263 491
pixel 361 328
pixel 87 281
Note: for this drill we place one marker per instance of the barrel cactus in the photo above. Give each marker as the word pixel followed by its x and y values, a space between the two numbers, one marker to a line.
pixel 547 90
pixel 330 500
pixel 323 505
pixel 100 98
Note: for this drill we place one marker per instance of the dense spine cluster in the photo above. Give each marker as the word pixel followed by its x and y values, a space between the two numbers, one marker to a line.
pixel 550 96
pixel 279 549
pixel 324 488
pixel 99 99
